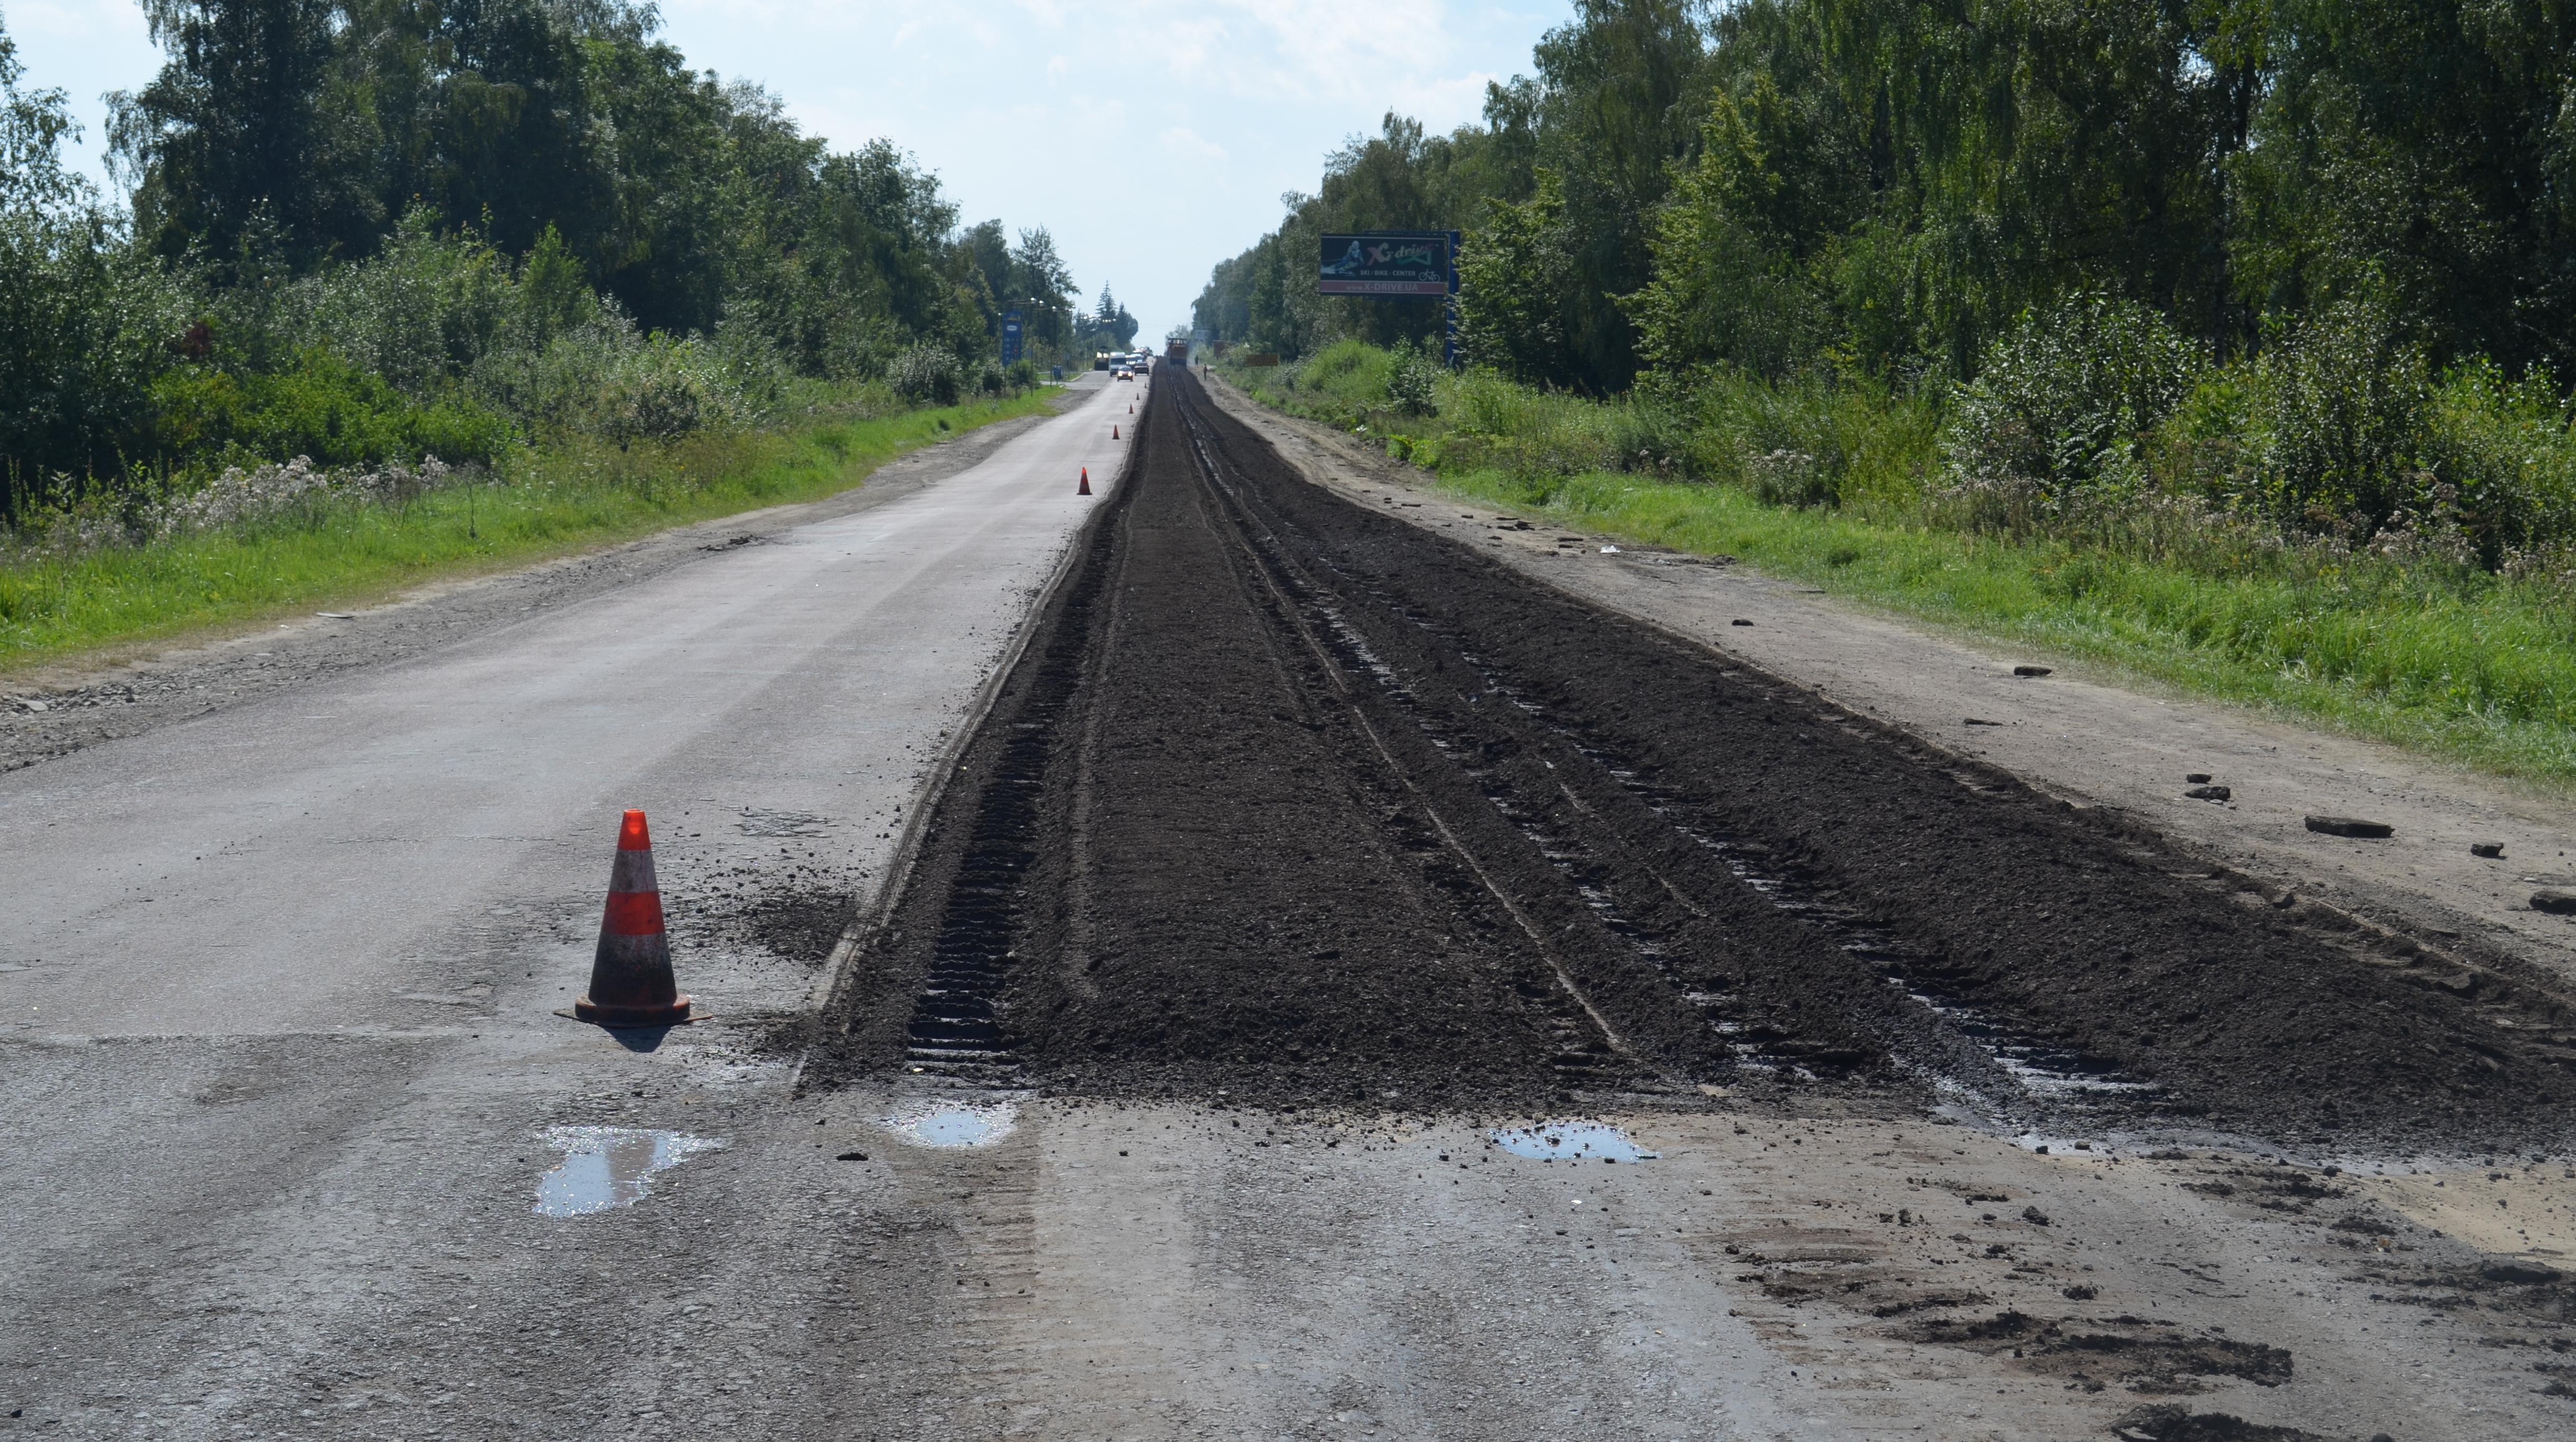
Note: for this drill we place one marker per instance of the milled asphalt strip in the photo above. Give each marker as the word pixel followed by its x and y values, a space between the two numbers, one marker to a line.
pixel 2503 976
pixel 2111 742
pixel 1239 541
pixel 898 873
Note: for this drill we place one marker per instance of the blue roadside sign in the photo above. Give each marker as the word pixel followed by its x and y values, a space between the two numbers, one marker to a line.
pixel 1387 263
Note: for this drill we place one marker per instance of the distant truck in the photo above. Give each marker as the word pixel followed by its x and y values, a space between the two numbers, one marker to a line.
pixel 1177 351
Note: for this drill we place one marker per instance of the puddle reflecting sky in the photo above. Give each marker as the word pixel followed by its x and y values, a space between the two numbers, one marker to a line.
pixel 1570 1141
pixel 955 1124
pixel 605 1167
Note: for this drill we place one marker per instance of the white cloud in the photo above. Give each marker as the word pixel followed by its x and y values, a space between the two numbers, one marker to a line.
pixel 1183 141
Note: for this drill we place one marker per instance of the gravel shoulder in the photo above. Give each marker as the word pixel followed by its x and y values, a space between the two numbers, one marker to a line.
pixel 2098 740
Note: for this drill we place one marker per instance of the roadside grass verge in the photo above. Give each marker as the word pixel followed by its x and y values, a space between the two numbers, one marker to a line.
pixel 2442 658
pixel 2478 670
pixel 556 500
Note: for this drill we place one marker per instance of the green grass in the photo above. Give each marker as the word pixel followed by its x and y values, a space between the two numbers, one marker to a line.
pixel 2445 660
pixel 2483 673
pixel 549 502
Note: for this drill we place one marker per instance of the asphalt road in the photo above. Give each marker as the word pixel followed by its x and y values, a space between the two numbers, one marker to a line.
pixel 279 981
pixel 294 1120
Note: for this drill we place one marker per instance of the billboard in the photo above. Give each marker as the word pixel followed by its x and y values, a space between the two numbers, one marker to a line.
pixel 1387 263
pixel 1010 335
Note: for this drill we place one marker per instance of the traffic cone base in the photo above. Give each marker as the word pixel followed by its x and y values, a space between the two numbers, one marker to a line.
pixel 630 974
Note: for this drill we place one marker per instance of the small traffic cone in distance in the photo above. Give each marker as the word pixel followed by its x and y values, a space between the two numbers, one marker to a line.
pixel 1113 433
pixel 1084 489
pixel 630 975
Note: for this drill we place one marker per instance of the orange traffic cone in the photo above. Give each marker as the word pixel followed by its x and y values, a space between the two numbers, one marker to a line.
pixel 1113 433
pixel 630 976
pixel 1085 488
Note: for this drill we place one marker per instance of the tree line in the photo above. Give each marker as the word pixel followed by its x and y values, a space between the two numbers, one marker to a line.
pixel 365 228
pixel 2067 222
pixel 1896 181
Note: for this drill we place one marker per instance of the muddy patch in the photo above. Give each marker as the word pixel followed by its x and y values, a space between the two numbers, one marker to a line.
pixel 2169 1423
pixel 2531 1295
pixel 2132 1352
pixel 798 922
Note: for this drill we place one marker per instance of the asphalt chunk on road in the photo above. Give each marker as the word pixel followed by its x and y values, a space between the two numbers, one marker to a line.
pixel 1307 806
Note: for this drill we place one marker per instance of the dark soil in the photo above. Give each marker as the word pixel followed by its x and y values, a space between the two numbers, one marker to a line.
pixel 2124 1351
pixel 2169 1423
pixel 1292 802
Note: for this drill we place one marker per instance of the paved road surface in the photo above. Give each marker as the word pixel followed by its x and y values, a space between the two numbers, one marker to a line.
pixel 278 986
pixel 279 981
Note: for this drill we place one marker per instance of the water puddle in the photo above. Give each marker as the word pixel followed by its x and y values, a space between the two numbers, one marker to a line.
pixel 607 1167
pixel 955 1124
pixel 1570 1141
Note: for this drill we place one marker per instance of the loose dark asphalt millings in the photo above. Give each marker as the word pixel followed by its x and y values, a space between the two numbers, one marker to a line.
pixel 1291 802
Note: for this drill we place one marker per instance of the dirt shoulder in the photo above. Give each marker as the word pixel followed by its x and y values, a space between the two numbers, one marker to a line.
pixel 60 709
pixel 2092 738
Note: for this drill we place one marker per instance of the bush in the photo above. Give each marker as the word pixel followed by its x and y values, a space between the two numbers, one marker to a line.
pixel 1535 436
pixel 1352 374
pixel 991 380
pixel 324 408
pixel 925 375
pixel 1413 383
pixel 2345 408
pixel 421 311
pixel 85 327
pixel 665 389
pixel 1024 374
pixel 2067 399
pixel 1810 440
pixel 2508 461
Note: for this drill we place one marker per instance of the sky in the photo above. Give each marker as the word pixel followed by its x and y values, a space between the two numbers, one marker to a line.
pixel 1152 137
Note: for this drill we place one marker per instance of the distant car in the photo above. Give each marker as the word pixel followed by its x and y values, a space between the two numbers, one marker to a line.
pixel 1125 374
